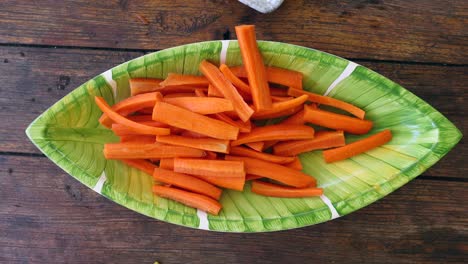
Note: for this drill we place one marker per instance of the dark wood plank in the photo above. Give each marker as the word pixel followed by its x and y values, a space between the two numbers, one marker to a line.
pixel 35 78
pixel 423 30
pixel 49 217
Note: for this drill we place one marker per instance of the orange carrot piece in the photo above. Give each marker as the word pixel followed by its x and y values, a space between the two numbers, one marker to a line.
pixel 211 155
pixel 275 132
pixel 251 177
pixel 143 85
pixel 191 199
pixel 296 164
pixel 122 130
pixel 258 146
pixel 253 63
pixel 138 139
pixel 141 129
pixel 275 172
pixel 141 164
pixel 202 105
pixel 275 190
pixel 213 92
pixel 281 98
pixel 296 119
pixel 280 108
pixel 276 75
pixel 175 95
pixel 214 168
pixel 357 147
pixel 175 79
pixel 269 143
pixel 322 140
pixel 336 121
pixel 187 182
pixel 179 89
pixel 191 134
pixel 166 163
pixel 140 118
pixel 278 91
pixel 238 83
pixel 185 119
pixel 212 144
pixel 130 105
pixel 327 100
pixel 245 152
pixel 222 84
pixel 235 183
pixel 148 151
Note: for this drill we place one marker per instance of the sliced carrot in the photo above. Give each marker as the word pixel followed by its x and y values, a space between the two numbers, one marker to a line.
pixel 275 190
pixel 202 105
pixel 357 147
pixel 275 172
pixel 281 108
pixel 138 139
pixel 141 164
pixel 122 130
pixel 185 119
pixel 296 164
pixel 336 121
pixel 179 89
pixel 222 84
pixel 140 118
pixel 251 177
pixel 269 143
pixel 191 199
pixel 238 83
pixel 296 119
pixel 143 85
pixel 175 95
pixel 276 75
pixel 245 152
pixel 214 168
pixel 148 151
pixel 258 146
pixel 244 127
pixel 281 98
pixel 166 163
pixel 278 92
pixel 322 140
pixel 235 183
pixel 191 134
pixel 275 132
pixel 326 100
pixel 175 79
pixel 186 182
pixel 212 144
pixel 142 129
pixel 130 105
pixel 213 92
pixel 211 155
pixel 253 63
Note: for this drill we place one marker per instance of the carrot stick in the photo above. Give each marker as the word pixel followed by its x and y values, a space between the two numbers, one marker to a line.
pixel 278 91
pixel 245 152
pixel 275 172
pixel 213 144
pixel 211 155
pixel 281 98
pixel 336 121
pixel 138 139
pixel 174 79
pixel 296 119
pixel 202 105
pixel 142 129
pixel 241 85
pixel 251 177
pixel 130 105
pixel 357 147
pixel 296 164
pixel 122 130
pixel 214 168
pixel 276 75
pixel 148 151
pixel 280 108
pixel 222 84
pixel 275 190
pixel 191 134
pixel 167 163
pixel 213 92
pixel 141 164
pixel 175 95
pixel 258 146
pixel 140 118
pixel 322 140
pixel 195 200
pixel 275 132
pixel 143 85
pixel 253 63
pixel 235 183
pixel 326 100
pixel 185 119
pixel 186 182
pixel 179 89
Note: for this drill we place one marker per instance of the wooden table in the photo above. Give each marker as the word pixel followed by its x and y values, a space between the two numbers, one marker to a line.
pixel 47 48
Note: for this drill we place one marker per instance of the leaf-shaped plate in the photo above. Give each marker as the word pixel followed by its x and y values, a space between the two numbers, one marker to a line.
pixel 70 135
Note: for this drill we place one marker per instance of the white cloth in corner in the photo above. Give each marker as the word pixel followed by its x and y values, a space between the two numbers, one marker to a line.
pixel 263 6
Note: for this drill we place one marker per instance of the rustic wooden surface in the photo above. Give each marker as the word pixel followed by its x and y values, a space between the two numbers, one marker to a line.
pixel 47 48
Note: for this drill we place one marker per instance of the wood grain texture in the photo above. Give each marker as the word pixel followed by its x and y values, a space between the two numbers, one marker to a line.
pixel 422 30
pixel 47 216
pixel 35 78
